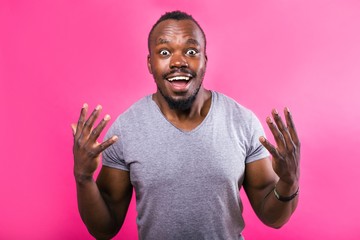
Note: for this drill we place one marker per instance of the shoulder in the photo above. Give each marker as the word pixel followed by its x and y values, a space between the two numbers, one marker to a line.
pixel 231 107
pixel 137 112
pixel 137 108
pixel 234 114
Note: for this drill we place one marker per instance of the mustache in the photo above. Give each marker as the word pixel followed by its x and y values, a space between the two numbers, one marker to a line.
pixel 180 70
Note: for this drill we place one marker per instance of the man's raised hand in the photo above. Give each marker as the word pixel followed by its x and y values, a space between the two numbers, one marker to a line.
pixel 86 148
pixel 286 156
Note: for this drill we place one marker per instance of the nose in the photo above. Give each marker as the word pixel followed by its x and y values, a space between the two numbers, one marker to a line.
pixel 178 61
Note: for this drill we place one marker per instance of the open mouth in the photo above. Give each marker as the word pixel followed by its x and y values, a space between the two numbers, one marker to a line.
pixel 179 83
pixel 178 78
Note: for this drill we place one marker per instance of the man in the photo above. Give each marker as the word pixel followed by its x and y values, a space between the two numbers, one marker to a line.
pixel 186 151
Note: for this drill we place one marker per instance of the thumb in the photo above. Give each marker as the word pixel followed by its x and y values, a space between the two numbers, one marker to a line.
pixel 73 128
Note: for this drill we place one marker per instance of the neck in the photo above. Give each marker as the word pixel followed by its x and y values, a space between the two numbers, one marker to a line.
pixel 186 119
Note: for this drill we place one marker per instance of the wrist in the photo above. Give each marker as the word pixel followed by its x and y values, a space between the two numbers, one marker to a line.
pixel 81 179
pixel 286 192
pixel 286 188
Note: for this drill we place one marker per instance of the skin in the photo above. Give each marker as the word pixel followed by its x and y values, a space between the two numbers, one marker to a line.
pixel 103 203
pixel 283 171
pixel 178 48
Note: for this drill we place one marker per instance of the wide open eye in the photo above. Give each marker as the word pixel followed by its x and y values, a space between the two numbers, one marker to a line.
pixel 164 52
pixel 191 52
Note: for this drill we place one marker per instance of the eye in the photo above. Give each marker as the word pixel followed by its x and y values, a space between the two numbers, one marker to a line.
pixel 191 52
pixel 164 52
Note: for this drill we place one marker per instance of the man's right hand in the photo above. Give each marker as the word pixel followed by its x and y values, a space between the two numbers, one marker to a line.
pixel 86 148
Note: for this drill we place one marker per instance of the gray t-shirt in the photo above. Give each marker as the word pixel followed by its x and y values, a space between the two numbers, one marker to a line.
pixel 187 182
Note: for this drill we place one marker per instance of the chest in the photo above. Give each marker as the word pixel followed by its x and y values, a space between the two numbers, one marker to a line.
pixel 193 160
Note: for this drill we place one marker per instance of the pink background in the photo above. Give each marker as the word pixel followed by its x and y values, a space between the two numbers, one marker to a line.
pixel 56 55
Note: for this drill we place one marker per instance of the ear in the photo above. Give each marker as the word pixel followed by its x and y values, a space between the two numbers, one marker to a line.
pixel 149 64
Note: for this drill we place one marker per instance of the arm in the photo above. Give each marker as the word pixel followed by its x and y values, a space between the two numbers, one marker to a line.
pixel 262 176
pixel 102 204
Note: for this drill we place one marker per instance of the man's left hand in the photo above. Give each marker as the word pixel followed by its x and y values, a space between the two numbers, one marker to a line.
pixel 286 156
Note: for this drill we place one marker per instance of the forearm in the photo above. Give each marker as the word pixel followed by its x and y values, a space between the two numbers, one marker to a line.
pixel 94 211
pixel 276 213
pixel 102 204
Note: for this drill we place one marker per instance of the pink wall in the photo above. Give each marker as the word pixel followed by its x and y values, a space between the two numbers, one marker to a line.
pixel 56 55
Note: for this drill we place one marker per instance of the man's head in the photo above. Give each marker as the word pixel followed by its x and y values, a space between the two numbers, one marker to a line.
pixel 177 58
pixel 175 15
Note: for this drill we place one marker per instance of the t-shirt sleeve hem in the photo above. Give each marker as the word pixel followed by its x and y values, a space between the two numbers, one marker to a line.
pixel 116 166
pixel 257 157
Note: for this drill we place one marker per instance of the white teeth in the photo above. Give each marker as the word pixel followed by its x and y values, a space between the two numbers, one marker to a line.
pixel 178 78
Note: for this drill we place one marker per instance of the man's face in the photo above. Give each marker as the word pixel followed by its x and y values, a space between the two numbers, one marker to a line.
pixel 177 60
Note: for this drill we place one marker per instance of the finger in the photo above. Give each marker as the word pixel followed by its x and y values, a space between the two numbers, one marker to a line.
pixel 95 133
pixel 279 138
pixel 91 120
pixel 269 147
pixel 73 128
pixel 106 144
pixel 283 129
pixel 81 121
pixel 291 126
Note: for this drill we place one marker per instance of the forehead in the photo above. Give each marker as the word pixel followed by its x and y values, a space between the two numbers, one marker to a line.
pixel 173 30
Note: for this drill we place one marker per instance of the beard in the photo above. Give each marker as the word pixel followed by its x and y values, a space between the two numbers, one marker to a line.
pixel 182 104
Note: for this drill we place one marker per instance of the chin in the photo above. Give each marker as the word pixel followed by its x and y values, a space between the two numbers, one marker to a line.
pixel 181 103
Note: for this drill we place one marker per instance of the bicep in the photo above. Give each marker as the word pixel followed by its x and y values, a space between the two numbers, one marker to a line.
pixel 260 179
pixel 116 189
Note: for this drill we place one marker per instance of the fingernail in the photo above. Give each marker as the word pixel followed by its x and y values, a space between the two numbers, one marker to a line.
pixel 275 111
pixel 287 109
pixel 85 105
pixel 262 139
pixel 115 138
pixel 107 117
pixel 98 107
pixel 269 120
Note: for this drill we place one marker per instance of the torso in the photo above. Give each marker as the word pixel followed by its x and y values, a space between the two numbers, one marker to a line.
pixel 186 182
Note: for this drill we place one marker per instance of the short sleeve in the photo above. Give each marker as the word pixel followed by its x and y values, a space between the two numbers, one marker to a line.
pixel 113 156
pixel 256 150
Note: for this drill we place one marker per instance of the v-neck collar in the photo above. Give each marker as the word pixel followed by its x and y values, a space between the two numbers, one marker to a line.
pixel 153 103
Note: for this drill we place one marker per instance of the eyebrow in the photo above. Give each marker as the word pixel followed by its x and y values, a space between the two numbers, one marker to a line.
pixel 193 41
pixel 189 41
pixel 162 41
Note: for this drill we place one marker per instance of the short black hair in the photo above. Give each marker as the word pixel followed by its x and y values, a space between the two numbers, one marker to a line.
pixel 175 15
